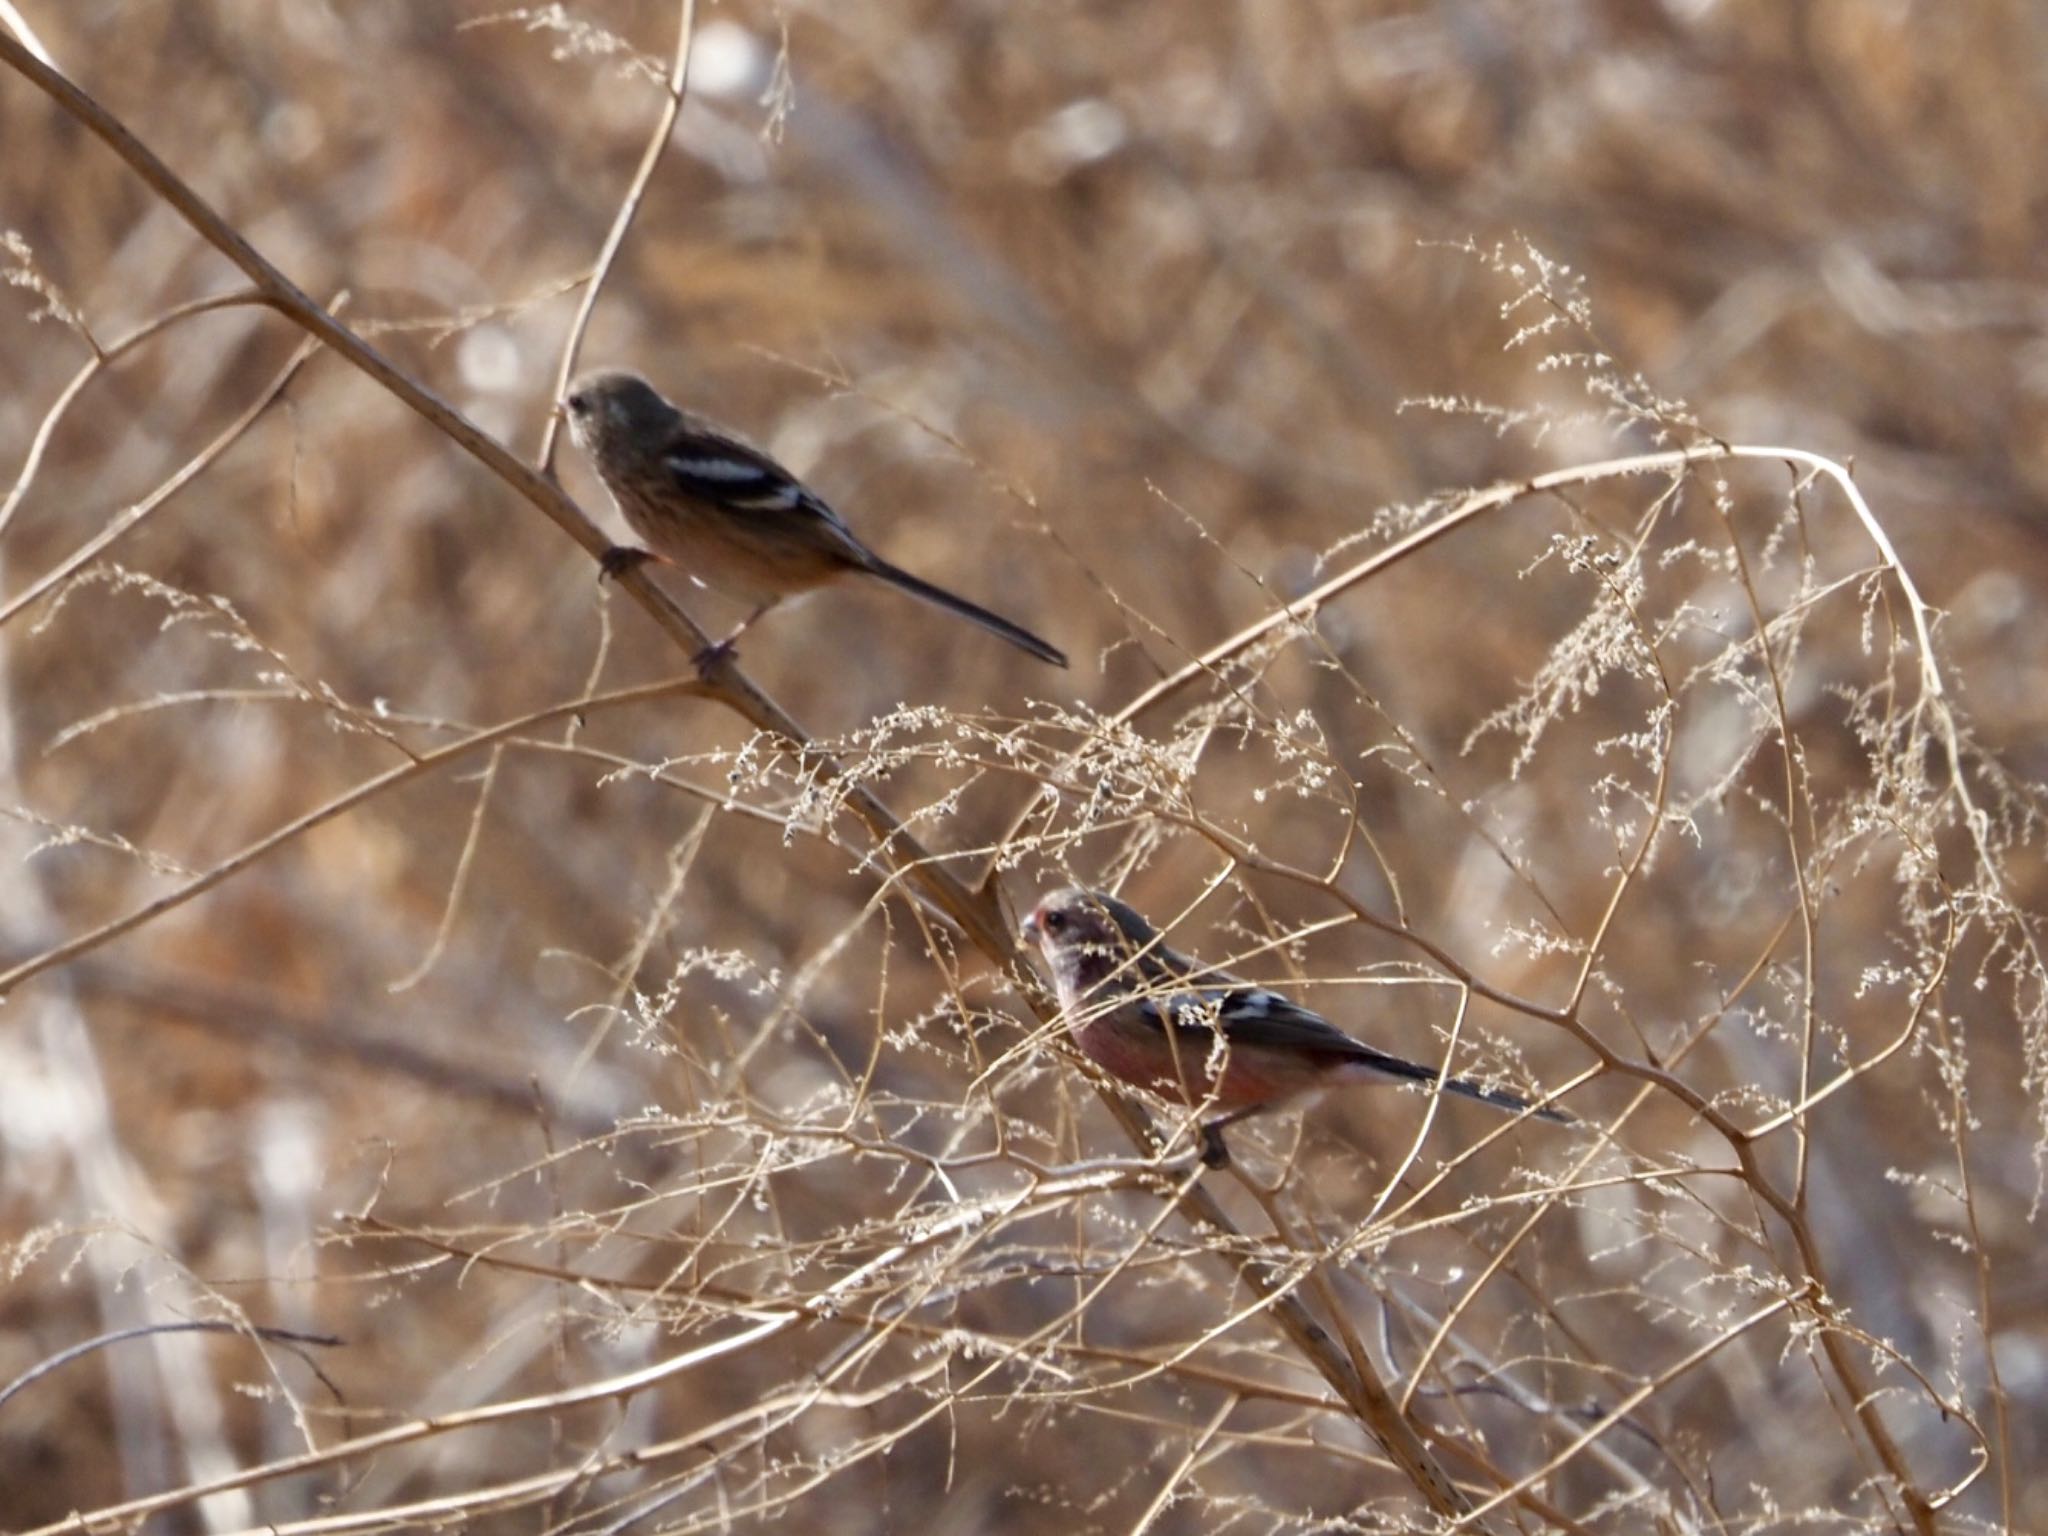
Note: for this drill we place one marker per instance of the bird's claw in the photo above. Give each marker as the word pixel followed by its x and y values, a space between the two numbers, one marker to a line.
pixel 1214 1153
pixel 619 559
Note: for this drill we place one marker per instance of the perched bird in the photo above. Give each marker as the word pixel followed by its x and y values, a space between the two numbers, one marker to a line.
pixel 1151 1016
pixel 726 513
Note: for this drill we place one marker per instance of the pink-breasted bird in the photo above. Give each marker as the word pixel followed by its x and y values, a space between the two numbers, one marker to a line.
pixel 1150 1015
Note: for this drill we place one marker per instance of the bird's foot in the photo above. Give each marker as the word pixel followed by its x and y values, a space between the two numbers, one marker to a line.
pixel 619 559
pixel 1214 1153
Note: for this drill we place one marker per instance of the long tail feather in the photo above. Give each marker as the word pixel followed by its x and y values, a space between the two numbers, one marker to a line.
pixel 994 623
pixel 1499 1098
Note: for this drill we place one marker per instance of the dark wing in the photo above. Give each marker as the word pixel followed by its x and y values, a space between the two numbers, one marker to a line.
pixel 1258 1018
pixel 715 466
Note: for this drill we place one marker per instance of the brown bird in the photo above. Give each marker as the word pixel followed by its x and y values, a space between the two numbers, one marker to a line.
pixel 726 513
pixel 1151 1016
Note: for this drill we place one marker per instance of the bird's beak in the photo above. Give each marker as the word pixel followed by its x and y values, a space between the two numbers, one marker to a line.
pixel 1029 932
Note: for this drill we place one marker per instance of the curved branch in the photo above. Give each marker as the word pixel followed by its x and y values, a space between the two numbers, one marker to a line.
pixel 64 1357
pixel 411 769
pixel 191 470
pixel 39 445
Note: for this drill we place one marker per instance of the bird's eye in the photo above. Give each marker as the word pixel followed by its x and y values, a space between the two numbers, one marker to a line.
pixel 578 403
pixel 1055 921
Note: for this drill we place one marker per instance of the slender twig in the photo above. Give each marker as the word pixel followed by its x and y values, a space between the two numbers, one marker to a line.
pixel 112 353
pixel 191 470
pixel 1618 1415
pixel 625 1384
pixel 341 804
pixel 64 1357
pixel 676 89
pixel 1197 1454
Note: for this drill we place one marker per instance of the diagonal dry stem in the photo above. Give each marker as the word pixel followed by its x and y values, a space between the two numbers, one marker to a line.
pixel 676 90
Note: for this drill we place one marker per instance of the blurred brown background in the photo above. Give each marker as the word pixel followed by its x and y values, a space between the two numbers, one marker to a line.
pixel 1117 318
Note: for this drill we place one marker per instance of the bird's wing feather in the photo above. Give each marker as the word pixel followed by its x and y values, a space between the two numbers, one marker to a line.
pixel 1253 1016
pixel 1262 1019
pixel 1259 1018
pixel 714 465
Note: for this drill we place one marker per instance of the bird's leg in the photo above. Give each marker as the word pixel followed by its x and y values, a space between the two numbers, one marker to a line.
pixel 621 558
pixel 720 652
pixel 1214 1153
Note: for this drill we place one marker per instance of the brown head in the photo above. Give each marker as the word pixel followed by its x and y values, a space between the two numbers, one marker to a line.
pixel 617 417
pixel 1087 935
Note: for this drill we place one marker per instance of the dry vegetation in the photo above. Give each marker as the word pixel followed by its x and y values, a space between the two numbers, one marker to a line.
pixel 573 1107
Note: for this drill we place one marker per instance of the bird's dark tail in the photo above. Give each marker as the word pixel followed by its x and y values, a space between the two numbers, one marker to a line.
pixel 1465 1088
pixel 994 623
